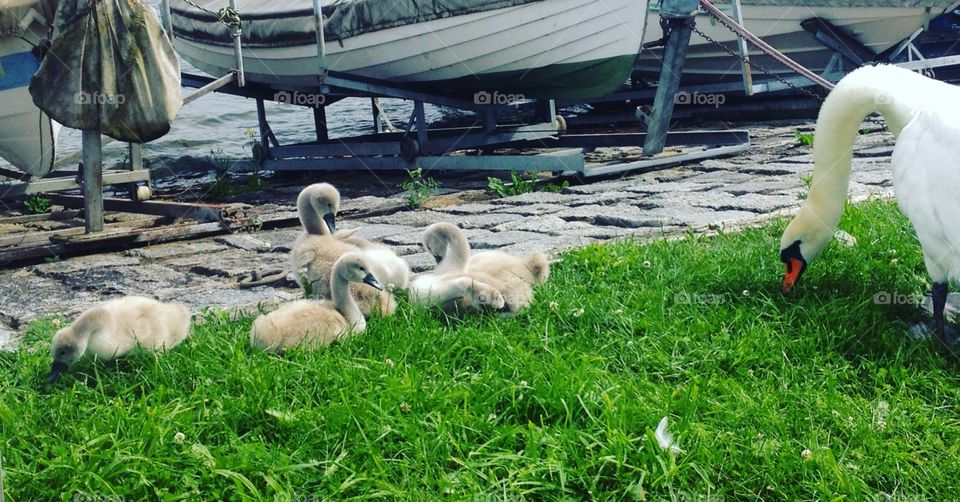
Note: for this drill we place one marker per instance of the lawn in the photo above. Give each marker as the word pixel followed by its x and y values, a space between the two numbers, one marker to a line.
pixel 819 395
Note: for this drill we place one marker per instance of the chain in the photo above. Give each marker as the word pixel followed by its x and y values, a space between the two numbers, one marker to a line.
pixel 227 15
pixel 785 82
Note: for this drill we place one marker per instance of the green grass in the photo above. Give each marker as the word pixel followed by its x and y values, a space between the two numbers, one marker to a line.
pixel 555 403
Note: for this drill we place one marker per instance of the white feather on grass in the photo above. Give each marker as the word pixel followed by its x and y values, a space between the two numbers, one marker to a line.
pixel 665 439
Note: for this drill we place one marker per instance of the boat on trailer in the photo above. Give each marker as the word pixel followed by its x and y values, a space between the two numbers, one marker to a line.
pixel 28 137
pixel 867 29
pixel 505 48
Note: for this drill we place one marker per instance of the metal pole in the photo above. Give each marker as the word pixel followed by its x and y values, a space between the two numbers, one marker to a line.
pixel 421 123
pixel 674 55
pixel 165 18
pixel 92 182
pixel 263 125
pixel 377 124
pixel 235 32
pixel 320 124
pixel 744 50
pixel 321 43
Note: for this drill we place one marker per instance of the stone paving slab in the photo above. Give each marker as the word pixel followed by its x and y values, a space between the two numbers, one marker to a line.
pixel 175 249
pixel 26 297
pixel 674 187
pixel 245 242
pixel 605 198
pixel 532 209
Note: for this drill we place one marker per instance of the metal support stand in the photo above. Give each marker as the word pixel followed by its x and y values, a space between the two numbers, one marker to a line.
pixel 92 182
pixel 744 51
pixel 674 55
pixel 320 124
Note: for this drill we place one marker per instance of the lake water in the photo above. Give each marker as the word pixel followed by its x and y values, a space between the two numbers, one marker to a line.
pixel 219 124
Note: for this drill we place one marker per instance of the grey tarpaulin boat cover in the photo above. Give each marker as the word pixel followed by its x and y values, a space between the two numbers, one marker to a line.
pixel 268 23
pixel 110 68
pixel 13 11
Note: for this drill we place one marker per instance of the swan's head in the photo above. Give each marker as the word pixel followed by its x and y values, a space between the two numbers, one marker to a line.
pixel 352 267
pixel 804 239
pixel 70 343
pixel 317 206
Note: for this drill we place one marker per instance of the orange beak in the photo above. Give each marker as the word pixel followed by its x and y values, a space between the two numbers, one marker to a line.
pixel 794 268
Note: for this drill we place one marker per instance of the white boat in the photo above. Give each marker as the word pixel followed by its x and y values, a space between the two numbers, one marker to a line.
pixel 28 138
pixel 879 25
pixel 537 48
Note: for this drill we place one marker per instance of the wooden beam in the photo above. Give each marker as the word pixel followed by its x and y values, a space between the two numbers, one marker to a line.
pixel 203 213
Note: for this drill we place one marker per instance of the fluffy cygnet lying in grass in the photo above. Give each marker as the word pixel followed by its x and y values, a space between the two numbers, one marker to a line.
pixel 117 327
pixel 316 323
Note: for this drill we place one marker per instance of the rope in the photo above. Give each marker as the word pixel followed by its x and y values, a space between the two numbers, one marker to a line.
pixel 754 64
pixel 227 15
pixel 765 47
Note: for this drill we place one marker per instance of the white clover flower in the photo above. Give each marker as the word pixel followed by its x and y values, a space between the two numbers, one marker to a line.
pixel 577 312
pixel 389 362
pixel 554 306
pixel 806 454
pixel 647 264
pixel 179 438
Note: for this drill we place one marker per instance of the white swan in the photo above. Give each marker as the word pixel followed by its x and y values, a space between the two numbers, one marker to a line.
pixel 312 323
pixel 512 276
pixel 117 327
pixel 315 251
pixel 924 115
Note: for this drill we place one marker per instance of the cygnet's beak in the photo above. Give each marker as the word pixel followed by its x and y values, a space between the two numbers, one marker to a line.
pixel 331 220
pixel 58 368
pixel 372 281
pixel 438 258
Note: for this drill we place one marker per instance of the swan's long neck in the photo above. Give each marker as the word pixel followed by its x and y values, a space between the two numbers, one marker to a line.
pixel 861 93
pixel 344 302
pixel 457 254
pixel 310 218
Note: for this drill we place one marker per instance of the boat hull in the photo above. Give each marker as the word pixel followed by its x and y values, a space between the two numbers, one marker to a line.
pixel 27 135
pixel 554 48
pixel 877 28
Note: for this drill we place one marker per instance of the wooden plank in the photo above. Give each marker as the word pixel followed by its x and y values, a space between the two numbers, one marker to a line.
pixel 9 191
pixel 30 218
pixel 204 213
pixel 111 240
pixel 39 238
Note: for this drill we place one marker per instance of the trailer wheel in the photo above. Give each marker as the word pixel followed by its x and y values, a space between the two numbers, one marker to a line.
pixel 141 193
